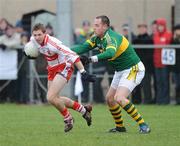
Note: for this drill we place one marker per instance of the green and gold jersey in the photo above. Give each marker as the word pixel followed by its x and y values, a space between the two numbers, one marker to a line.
pixel 113 47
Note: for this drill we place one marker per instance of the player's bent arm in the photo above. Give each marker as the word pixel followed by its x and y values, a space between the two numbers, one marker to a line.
pixel 108 54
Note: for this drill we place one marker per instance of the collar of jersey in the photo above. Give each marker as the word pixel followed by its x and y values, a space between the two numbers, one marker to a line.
pixel 105 33
pixel 45 40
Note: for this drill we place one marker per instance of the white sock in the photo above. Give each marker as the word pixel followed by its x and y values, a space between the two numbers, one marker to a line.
pixel 82 110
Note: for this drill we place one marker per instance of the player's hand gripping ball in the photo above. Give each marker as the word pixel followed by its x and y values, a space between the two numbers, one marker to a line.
pixel 31 50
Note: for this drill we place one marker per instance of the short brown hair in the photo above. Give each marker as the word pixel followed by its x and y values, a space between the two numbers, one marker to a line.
pixel 104 19
pixel 142 25
pixel 39 26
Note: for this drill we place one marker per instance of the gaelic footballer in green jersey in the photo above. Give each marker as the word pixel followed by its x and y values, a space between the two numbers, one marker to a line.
pixel 129 70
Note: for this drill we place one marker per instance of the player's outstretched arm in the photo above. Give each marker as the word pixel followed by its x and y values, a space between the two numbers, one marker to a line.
pixel 108 54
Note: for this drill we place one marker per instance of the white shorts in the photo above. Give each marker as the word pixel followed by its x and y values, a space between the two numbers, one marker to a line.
pixel 129 78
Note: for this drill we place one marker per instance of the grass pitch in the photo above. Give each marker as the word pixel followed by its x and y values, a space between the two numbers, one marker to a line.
pixel 32 125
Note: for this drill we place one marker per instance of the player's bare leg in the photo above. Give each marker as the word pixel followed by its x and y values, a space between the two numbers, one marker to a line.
pixel 54 88
pixel 62 103
pixel 121 97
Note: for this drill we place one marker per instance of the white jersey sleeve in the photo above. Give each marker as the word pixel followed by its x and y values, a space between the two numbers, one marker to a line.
pixel 64 52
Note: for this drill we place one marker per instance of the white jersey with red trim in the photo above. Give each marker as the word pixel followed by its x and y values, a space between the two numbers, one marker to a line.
pixel 55 52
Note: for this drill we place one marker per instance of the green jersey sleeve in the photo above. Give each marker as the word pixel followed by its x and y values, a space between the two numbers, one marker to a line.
pixel 87 46
pixel 110 50
pixel 108 54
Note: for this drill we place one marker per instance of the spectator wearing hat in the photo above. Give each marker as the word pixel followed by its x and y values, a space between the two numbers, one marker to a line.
pixel 161 37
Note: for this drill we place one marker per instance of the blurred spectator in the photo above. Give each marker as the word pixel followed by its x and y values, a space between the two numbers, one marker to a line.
pixel 153 31
pixel 19 27
pixel 146 55
pixel 153 27
pixel 126 33
pixel 22 81
pixel 49 30
pixel 24 38
pixel 24 35
pixel 3 26
pixel 10 40
pixel 82 34
pixel 176 67
pixel 161 37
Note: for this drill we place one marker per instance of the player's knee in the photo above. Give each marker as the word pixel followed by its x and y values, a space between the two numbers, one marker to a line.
pixel 109 100
pixel 120 100
pixel 50 98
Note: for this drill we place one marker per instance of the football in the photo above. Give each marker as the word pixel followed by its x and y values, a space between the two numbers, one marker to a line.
pixel 31 50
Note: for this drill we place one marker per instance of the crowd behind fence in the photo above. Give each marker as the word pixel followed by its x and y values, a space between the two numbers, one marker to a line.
pixel 31 83
pixel 30 86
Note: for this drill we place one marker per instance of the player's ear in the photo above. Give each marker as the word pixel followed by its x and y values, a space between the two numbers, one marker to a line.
pixel 105 27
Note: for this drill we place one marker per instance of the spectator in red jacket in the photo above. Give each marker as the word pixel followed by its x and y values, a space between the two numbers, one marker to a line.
pixel 161 37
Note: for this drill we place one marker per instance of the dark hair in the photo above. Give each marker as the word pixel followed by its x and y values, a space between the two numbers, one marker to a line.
pixel 39 26
pixel 104 19
pixel 10 26
pixel 49 26
pixel 112 27
pixel 125 26
pixel 5 20
pixel 154 22
pixel 142 25
pixel 176 27
pixel 86 23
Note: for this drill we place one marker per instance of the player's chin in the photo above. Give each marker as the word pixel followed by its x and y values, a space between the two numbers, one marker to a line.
pixel 39 41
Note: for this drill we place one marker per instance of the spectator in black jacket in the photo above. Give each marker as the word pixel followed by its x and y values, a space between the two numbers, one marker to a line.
pixel 146 55
pixel 176 67
pixel 126 33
